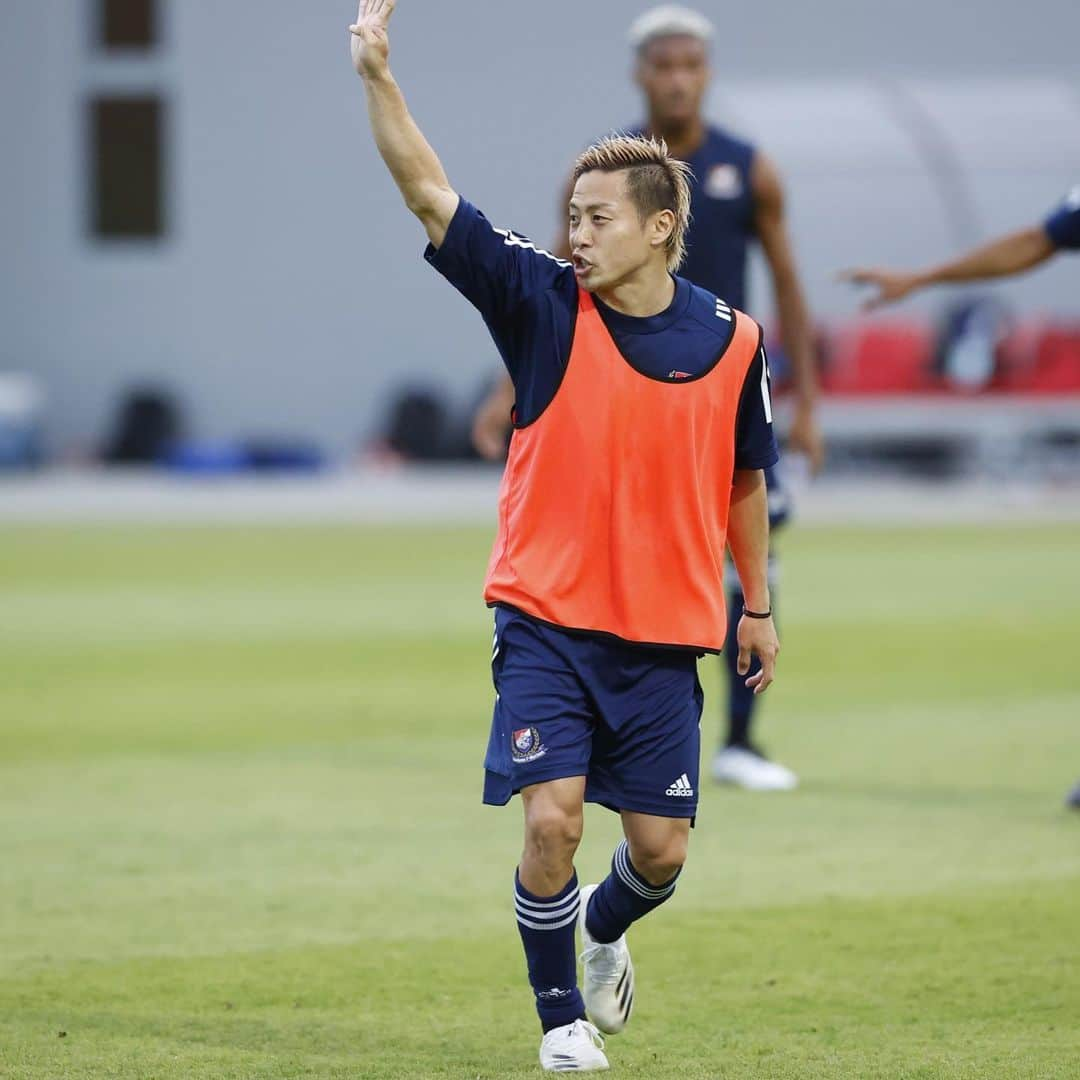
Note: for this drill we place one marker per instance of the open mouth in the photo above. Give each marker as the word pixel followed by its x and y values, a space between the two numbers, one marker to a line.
pixel 581 266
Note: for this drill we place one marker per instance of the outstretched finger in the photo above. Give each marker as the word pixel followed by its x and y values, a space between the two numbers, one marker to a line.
pixel 760 682
pixel 742 664
pixel 370 9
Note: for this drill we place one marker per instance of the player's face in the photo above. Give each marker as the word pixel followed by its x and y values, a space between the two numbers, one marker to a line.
pixel 608 240
pixel 674 73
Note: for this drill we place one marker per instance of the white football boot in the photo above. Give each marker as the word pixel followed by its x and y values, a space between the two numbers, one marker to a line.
pixel 576 1047
pixel 746 769
pixel 608 985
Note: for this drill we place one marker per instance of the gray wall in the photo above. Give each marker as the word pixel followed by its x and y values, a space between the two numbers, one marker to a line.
pixel 291 292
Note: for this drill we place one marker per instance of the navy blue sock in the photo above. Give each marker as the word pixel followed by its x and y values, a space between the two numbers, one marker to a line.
pixel 546 925
pixel 741 699
pixel 623 897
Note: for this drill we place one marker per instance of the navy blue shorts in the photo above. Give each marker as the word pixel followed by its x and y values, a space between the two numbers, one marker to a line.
pixel 627 717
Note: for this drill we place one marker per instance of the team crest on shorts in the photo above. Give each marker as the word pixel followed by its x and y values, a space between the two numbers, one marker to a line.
pixel 525 745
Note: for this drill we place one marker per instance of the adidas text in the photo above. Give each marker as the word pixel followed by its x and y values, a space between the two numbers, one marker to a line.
pixel 681 788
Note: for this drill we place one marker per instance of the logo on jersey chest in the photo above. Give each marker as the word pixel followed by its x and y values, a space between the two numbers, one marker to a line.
pixel 525 745
pixel 678 375
pixel 723 182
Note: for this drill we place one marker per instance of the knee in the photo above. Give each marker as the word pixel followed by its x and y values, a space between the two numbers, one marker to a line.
pixel 659 860
pixel 551 834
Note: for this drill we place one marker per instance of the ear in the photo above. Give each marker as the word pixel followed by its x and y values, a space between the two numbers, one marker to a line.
pixel 663 225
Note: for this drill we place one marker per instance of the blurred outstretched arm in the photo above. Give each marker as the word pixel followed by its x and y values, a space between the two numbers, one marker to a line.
pixel 492 420
pixel 1010 254
pixel 414 166
pixel 796 332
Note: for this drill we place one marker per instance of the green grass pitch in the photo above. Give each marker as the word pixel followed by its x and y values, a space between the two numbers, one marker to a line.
pixel 241 832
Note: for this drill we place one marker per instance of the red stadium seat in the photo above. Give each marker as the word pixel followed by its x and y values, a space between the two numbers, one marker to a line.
pixel 881 358
pixel 1015 357
pixel 1040 359
pixel 1057 361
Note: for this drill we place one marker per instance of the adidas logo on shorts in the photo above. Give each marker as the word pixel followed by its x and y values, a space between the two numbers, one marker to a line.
pixel 681 788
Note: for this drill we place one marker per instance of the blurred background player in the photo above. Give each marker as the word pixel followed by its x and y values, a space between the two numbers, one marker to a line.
pixel 1007 255
pixel 737 199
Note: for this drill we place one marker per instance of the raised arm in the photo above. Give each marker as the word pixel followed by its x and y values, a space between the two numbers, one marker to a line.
pixel 414 166
pixel 1010 254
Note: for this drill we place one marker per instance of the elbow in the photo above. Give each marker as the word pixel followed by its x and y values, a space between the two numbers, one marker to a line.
pixel 418 205
pixel 423 200
pixel 746 482
pixel 748 478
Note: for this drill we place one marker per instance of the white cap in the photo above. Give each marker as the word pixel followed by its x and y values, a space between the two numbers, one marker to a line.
pixel 669 20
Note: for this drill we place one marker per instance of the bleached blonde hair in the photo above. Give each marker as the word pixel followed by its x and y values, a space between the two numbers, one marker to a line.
pixel 655 181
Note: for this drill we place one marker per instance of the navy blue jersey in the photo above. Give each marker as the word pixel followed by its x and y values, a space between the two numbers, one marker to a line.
pixel 1063 225
pixel 528 298
pixel 721 215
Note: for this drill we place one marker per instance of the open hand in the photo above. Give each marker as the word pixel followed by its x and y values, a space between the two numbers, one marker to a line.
pixel 757 636
pixel 891 287
pixel 370 41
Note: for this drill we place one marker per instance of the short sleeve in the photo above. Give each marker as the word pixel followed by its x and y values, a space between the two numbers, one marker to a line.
pixel 755 442
pixel 1063 225
pixel 496 270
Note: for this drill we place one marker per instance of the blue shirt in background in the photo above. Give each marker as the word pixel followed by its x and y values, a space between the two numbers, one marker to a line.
pixel 721 215
pixel 1063 225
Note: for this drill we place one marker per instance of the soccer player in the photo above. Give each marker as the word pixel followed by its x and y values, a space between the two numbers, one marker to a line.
pixel 1010 254
pixel 642 434
pixel 736 199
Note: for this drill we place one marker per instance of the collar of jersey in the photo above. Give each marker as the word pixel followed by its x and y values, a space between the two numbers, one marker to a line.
pixel 616 321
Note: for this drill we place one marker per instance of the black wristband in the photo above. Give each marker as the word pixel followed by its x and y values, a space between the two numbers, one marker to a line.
pixel 757 614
